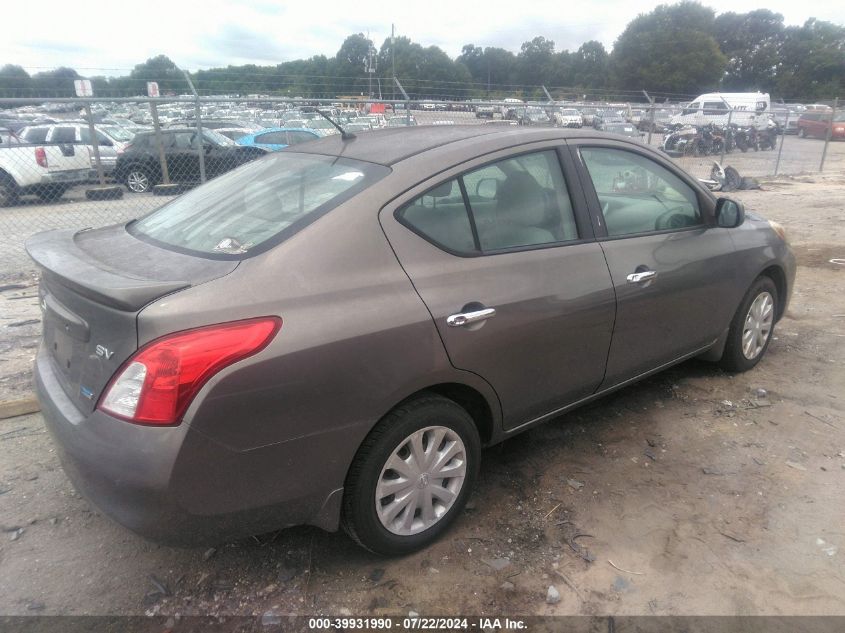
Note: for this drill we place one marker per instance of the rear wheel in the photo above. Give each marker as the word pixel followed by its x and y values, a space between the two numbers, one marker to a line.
pixel 8 191
pixel 751 328
pixel 412 476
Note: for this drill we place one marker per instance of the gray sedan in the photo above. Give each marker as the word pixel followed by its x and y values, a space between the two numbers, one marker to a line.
pixel 329 335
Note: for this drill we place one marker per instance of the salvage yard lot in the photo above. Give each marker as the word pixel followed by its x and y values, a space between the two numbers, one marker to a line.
pixel 694 492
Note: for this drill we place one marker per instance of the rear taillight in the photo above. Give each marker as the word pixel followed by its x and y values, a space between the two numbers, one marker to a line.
pixel 156 384
pixel 41 156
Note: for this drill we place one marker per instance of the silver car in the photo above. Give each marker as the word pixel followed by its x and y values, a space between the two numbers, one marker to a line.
pixel 330 334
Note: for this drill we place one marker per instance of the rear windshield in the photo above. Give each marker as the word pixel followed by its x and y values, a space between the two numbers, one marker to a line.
pixel 257 205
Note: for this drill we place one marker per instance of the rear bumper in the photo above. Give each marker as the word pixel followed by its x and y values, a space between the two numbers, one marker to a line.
pixel 70 177
pixel 176 486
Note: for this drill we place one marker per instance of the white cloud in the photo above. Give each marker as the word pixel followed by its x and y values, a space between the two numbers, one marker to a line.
pixel 110 38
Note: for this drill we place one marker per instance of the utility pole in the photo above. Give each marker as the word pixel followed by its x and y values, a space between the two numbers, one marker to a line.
pixel 393 55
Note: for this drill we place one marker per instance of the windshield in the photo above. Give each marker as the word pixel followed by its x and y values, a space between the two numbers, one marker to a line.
pixel 259 203
pixel 216 138
pixel 118 133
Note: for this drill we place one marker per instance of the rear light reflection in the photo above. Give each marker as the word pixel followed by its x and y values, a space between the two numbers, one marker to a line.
pixel 157 384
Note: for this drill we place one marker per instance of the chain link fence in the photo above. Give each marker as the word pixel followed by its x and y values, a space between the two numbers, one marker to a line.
pixel 76 163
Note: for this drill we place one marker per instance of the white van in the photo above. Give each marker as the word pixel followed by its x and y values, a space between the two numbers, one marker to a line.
pixel 741 108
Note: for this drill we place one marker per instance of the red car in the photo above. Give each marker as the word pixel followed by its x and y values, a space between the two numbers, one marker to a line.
pixel 816 124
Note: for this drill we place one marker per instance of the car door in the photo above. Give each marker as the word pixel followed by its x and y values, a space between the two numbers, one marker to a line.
pixel 183 157
pixel 672 268
pixel 503 256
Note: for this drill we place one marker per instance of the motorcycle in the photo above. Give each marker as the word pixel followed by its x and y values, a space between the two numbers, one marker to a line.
pixel 768 138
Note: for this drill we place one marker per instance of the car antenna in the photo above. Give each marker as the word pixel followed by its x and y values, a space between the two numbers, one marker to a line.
pixel 346 136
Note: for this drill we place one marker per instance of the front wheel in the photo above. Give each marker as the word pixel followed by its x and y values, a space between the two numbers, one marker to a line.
pixel 751 328
pixel 412 476
pixel 9 191
pixel 138 179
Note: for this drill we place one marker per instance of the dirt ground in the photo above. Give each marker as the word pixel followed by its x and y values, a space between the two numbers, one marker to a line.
pixel 695 492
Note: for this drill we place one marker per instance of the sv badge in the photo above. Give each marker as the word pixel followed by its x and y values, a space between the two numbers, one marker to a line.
pixel 103 352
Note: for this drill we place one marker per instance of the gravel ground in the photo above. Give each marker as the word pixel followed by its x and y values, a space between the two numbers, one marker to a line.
pixel 694 492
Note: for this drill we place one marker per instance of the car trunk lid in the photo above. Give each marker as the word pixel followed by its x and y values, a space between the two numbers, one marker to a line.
pixel 93 285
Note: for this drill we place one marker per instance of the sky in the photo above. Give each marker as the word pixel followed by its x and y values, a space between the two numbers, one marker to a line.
pixel 104 38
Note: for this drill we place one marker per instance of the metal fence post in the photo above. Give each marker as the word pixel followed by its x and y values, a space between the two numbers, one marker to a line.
pixel 100 175
pixel 165 174
pixel 728 134
pixel 829 131
pixel 782 139
pixel 198 117
pixel 650 116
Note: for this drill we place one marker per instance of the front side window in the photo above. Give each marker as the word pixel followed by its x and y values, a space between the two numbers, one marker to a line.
pixel 637 195
pixel 261 202
pixel 64 135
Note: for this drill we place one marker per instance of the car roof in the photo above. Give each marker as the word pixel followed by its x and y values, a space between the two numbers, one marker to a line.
pixel 390 145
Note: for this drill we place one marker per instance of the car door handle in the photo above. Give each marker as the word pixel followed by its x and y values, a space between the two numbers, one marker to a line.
pixel 466 318
pixel 636 278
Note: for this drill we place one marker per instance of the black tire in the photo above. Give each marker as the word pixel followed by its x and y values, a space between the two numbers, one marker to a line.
pixel 360 517
pixel 51 193
pixel 9 192
pixel 733 358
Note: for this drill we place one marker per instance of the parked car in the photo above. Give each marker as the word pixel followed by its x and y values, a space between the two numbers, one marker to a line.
pixel 234 133
pixel 110 143
pixel 43 170
pixel 138 166
pixel 321 126
pixel 484 111
pixel 278 138
pixel 401 120
pixel 529 115
pixel 331 334
pixel 604 119
pixel 354 127
pixel 569 117
pixel 816 123
pixel 623 129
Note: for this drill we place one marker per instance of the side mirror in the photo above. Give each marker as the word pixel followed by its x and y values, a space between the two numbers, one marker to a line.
pixel 487 188
pixel 729 213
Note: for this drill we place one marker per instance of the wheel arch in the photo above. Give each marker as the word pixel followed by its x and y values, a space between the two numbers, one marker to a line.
pixel 777 275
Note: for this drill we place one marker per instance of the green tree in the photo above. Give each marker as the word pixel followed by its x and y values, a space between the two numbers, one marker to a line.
pixel 590 65
pixel 350 65
pixel 15 81
pixel 752 43
pixel 55 83
pixel 812 62
pixel 670 50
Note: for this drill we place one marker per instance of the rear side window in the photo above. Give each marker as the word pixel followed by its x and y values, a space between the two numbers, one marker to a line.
pixel 517 202
pixel 299 137
pixel 272 138
pixel 35 134
pixel 249 209
pixel 441 216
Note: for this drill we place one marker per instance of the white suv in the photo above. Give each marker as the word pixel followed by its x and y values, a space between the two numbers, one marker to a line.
pixel 110 142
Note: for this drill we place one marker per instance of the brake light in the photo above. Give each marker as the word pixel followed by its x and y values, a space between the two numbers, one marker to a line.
pixel 41 156
pixel 156 385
